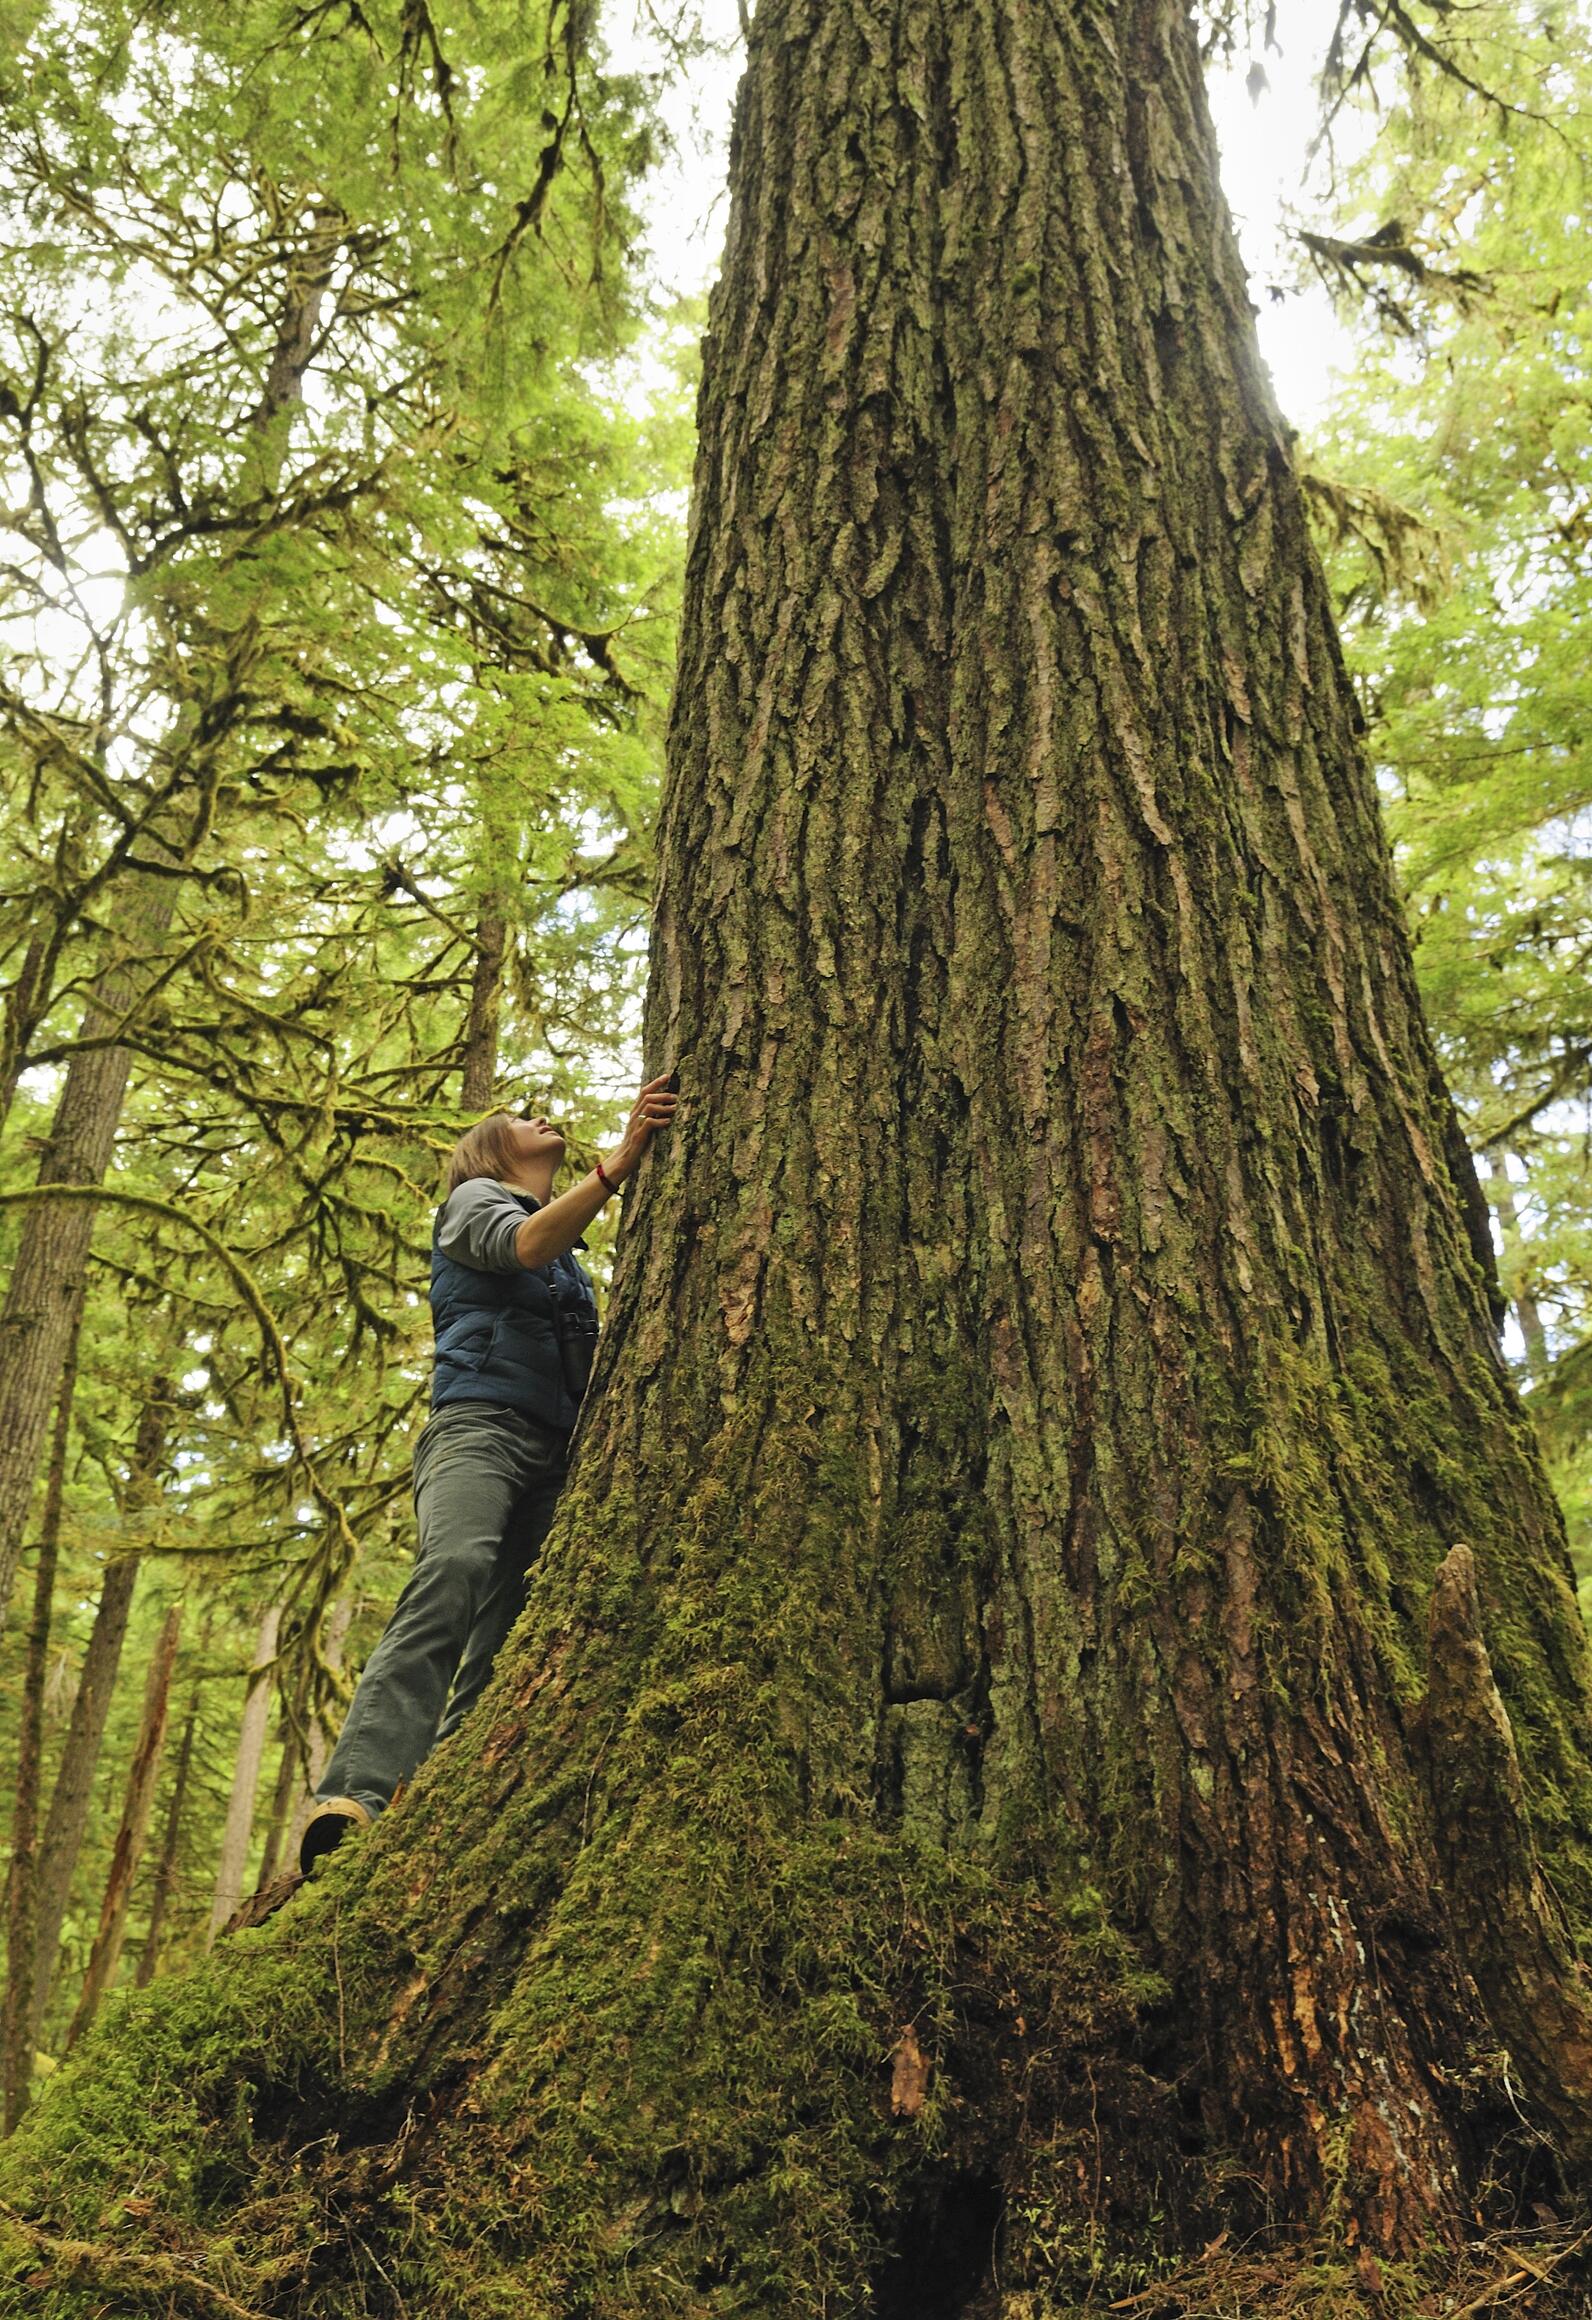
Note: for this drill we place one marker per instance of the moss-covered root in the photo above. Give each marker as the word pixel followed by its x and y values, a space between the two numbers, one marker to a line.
pixel 730 2069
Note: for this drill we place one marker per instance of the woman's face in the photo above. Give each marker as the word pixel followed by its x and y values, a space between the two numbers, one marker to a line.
pixel 536 1138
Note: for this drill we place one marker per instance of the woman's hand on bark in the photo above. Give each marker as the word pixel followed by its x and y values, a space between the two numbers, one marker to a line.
pixel 653 1109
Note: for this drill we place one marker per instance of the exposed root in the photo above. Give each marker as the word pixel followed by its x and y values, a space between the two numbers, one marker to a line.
pixel 262 1903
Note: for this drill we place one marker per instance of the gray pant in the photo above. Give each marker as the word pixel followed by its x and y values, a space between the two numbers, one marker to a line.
pixel 486 1481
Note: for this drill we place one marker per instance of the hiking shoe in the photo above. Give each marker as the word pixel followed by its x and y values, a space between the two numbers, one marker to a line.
pixel 328 1825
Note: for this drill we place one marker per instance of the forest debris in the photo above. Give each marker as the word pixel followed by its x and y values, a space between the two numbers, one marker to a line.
pixel 909 2076
pixel 1527 2269
pixel 1545 2286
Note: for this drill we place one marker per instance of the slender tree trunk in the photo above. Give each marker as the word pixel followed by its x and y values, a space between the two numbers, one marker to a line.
pixel 958 1812
pixel 167 1876
pixel 165 1880
pixel 72 1794
pixel 284 1795
pixel 129 1845
pixel 44 1301
pixel 479 1073
pixel 239 1824
pixel 337 1626
pixel 44 1298
pixel 1501 1193
pixel 22 1885
pixel 18 1019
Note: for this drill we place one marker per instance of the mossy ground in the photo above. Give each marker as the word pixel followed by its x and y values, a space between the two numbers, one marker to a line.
pixel 681 2101
pixel 681 2109
pixel 652 2069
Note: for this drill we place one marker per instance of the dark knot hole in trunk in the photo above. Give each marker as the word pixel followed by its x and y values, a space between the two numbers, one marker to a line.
pixel 942 2265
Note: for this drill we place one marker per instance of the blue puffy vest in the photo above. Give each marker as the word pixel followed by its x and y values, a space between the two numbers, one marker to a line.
pixel 524 1338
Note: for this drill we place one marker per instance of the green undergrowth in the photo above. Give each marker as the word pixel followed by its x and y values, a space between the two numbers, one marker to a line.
pixel 139 2165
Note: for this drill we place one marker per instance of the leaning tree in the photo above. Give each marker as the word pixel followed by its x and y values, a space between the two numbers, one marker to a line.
pixel 1052 1724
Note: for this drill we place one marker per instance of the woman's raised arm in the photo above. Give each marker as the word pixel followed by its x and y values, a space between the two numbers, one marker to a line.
pixel 559 1225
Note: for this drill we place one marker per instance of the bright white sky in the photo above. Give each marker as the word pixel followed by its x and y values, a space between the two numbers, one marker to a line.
pixel 1264 148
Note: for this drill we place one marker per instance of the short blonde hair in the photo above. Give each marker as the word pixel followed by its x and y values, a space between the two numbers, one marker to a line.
pixel 487 1149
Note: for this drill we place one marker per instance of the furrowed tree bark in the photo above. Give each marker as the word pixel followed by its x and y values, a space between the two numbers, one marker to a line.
pixel 239 1824
pixel 22 1882
pixel 1514 1932
pixel 128 1848
pixel 1027 921
pixel 954 1818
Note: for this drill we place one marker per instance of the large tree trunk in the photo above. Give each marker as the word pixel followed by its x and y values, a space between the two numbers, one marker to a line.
pixel 957 1813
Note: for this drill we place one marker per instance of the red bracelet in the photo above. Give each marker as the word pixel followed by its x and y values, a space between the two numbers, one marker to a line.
pixel 609 1187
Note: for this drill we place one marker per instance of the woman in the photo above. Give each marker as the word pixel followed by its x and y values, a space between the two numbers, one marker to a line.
pixel 516 1325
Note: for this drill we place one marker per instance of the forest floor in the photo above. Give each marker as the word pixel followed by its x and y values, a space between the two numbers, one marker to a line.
pixel 1541 2274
